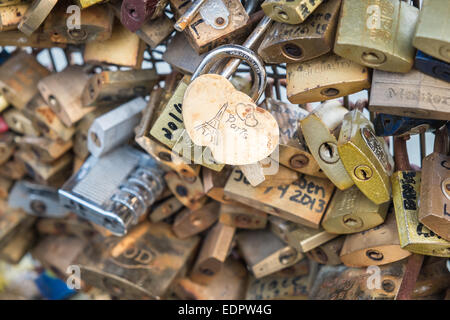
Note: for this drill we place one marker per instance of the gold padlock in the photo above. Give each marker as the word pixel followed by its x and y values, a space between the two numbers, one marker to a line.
pixel 376 246
pixel 430 35
pixel 324 78
pixel 303 201
pixel 414 236
pixel 165 209
pixel 44 149
pixel 350 211
pixel 365 157
pixel 327 253
pixel 413 94
pixel 287 43
pixel 292 12
pixel 10 16
pixel 18 122
pixel 191 222
pixel 189 191
pixel 377 34
pixel 321 129
pixel 242 216
pixel 35 15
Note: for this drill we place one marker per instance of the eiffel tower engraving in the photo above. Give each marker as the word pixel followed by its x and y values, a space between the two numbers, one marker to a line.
pixel 209 128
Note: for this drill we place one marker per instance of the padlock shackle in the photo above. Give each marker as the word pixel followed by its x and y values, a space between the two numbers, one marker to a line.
pixel 239 52
pixel 401 155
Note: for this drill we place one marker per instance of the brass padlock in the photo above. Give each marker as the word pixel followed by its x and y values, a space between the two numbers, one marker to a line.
pixel 7 146
pixel 303 201
pixel 19 76
pixel 376 246
pixel 96 24
pixel 154 32
pixel 414 236
pixel 123 48
pixel 216 23
pixel 430 34
pixel 350 211
pixel 214 183
pixel 327 253
pixel 44 149
pixel 434 209
pixel 165 209
pixel 287 43
pixel 324 78
pixel 35 15
pixel 229 284
pixel 213 253
pixel 292 12
pixel 242 216
pixel 264 253
pixel 87 3
pixel 321 130
pixel 119 86
pixel 191 222
pixel 413 94
pixel 189 191
pixel 18 122
pixel 365 157
pixel 143 264
pixel 10 16
pixel 298 236
pixel 377 34
pixel 65 100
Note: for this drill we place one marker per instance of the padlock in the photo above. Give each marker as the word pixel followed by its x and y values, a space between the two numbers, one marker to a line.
pixel 434 209
pixel 5 185
pixel 292 12
pixel 115 127
pixel 18 122
pixel 287 43
pixel 287 284
pixel 87 3
pixel 37 200
pixel 217 22
pixel 213 253
pixel 35 15
pixel 432 66
pixel 214 183
pixel 96 24
pixel 350 211
pixel 3 125
pixel 165 209
pixel 293 151
pixel 413 94
pixel 344 283
pixel 303 201
pixel 7 146
pixel 52 174
pixel 70 225
pixel 7 3
pixel 118 86
pixel 406 183
pixel 321 130
pixel 13 169
pixel 11 222
pixel 376 246
pixel 324 78
pixel 10 16
pixel 327 253
pixel 365 157
pixel 44 149
pixel 264 253
pixel 392 125
pixel 134 14
pixel 229 284
pixel 189 191
pixel 143 264
pixel 154 32
pixel 114 191
pixel 302 238
pixel 124 48
pixel 377 34
pixel 433 278
pixel 242 216
pixel 191 222
pixel 430 34
pixel 65 100
pixel 19 76
pixel 58 252
pixel 20 243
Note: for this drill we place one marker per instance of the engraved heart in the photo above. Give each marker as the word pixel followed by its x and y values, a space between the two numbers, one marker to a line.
pixel 227 121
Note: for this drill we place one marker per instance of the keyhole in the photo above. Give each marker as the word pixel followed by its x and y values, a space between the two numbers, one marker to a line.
pixel 374 255
pixel 282 14
pixel 298 161
pixel 373 58
pixel 363 172
pixel 292 51
pixel 352 222
pixel 95 139
pixel 328 152
pixel 388 285
pixel 288 257
pixel 329 92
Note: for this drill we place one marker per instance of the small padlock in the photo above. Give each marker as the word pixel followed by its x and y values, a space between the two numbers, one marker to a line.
pixel 321 130
pixel 264 253
pixel 44 149
pixel 292 12
pixel 134 13
pixel 324 78
pixel 373 247
pixel 434 209
pixel 18 122
pixel 189 191
pixel 214 183
pixel 298 236
pixel 71 225
pixel 303 201
pixel 10 16
pixel 365 157
pixel 392 125
pixel 432 66
pixel 327 253
pixel 20 242
pixel 35 15
pixel 413 94
pixel 242 216
pixel 430 34
pixel 191 222
pixel 287 43
pixel 165 209
pixel 414 236
pixel 350 211
pixel 377 34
